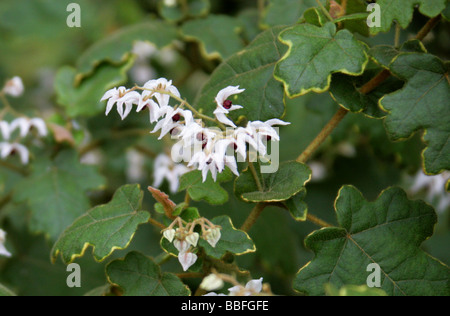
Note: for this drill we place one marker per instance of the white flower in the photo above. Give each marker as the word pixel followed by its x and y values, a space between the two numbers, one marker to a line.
pixel 434 187
pixel 3 251
pixel 193 239
pixel 121 96
pixel 4 129
pixel 213 236
pixel 25 124
pixel 264 131
pixel 152 106
pixel 251 288
pixel 173 121
pixel 225 105
pixel 212 282
pixel 144 49
pixel 243 138
pixel 7 149
pixel 169 234
pixel 181 245
pixel 161 84
pixel 187 259
pixel 165 168
pixel 14 87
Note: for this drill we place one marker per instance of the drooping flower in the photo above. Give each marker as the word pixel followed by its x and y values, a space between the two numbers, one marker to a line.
pixel 3 251
pixel 25 125
pixel 211 283
pixel 434 187
pixel 165 168
pixel 251 288
pixel 225 105
pixel 162 85
pixel 122 97
pixel 7 149
pixel 192 239
pixel 213 236
pixel 187 259
pixel 14 87
pixel 169 234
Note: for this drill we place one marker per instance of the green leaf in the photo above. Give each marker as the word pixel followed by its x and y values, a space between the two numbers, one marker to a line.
pixel 106 227
pixel 84 100
pixel 56 192
pixel 284 12
pixel 423 103
pixel 117 48
pixel 314 54
pixel 344 90
pixel 281 185
pixel 100 291
pixel 251 69
pixel 315 16
pixel 355 19
pixel 297 206
pixel 208 191
pixel 231 240
pixel 402 11
pixel 387 232
pixel 178 12
pixel 353 290
pixel 385 54
pixel 138 275
pixel 217 35
pixel 4 291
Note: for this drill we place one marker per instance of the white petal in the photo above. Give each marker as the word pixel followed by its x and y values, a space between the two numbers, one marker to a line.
pixel 23 124
pixel 225 93
pixel 4 129
pixel 14 87
pixel 221 117
pixel 23 153
pixel 39 124
pixel 273 122
pixel 5 150
pixel 255 286
pixel 109 94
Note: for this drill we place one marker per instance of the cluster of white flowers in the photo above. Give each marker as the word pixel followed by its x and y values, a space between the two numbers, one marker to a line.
pixel 185 239
pixel 207 149
pixel 24 126
pixel 214 282
pixel 13 87
pixel 434 187
pixel 165 168
pixel 3 251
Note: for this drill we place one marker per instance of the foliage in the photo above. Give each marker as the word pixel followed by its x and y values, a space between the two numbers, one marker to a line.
pixel 329 104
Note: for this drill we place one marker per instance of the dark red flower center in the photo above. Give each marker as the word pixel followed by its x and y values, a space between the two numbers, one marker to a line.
pixel 227 104
pixel 176 117
pixel 201 137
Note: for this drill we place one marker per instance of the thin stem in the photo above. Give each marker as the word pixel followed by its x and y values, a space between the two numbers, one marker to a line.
pixel 251 166
pixel 5 200
pixel 89 147
pixel 261 6
pixel 428 27
pixel 326 131
pixel 324 10
pixel 156 223
pixel 8 107
pixel 398 30
pixel 317 221
pixel 344 6
pixel 253 216
pixel 375 82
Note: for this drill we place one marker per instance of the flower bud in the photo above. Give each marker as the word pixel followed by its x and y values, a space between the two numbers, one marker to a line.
pixel 212 282
pixel 14 87
pixel 187 259
pixel 193 239
pixel 213 236
pixel 169 234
